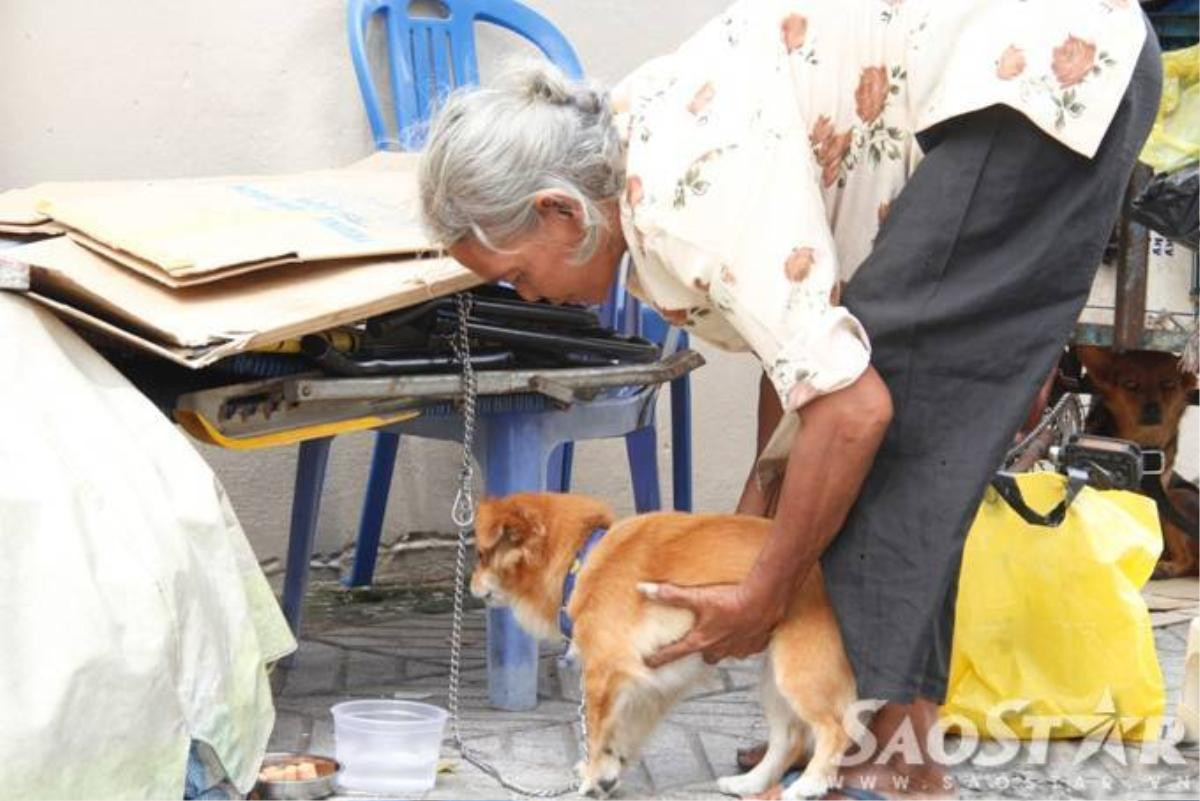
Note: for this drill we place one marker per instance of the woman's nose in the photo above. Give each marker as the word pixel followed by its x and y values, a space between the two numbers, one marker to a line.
pixel 527 293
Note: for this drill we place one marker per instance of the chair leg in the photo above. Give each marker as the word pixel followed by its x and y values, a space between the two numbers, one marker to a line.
pixel 642 447
pixel 558 478
pixel 306 504
pixel 512 465
pixel 370 524
pixel 681 443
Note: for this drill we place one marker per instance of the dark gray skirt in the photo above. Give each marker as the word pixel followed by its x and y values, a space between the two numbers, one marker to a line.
pixel 969 296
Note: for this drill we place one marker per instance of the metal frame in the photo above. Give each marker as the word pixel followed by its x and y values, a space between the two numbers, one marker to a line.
pixel 1128 330
pixel 283 404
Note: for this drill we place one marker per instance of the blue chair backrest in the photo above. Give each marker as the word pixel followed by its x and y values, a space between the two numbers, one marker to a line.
pixel 430 55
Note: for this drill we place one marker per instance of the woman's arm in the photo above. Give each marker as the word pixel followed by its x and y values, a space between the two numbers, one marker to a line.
pixel 759 500
pixel 828 462
pixel 829 459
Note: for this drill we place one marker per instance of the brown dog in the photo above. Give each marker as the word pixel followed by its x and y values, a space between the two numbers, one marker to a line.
pixel 1143 397
pixel 526 545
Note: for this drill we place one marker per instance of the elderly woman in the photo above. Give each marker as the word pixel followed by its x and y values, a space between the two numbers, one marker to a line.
pixel 896 205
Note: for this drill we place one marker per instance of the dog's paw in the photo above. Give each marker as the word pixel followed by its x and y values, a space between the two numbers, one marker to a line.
pixel 743 784
pixel 807 786
pixel 597 788
pixel 600 778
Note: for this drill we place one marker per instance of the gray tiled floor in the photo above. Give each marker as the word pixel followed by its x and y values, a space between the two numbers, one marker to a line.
pixel 385 647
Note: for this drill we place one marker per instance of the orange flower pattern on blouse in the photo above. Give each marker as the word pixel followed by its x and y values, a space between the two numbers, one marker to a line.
pixel 1073 60
pixel 799 263
pixel 704 96
pixel 871 94
pixel 1073 64
pixel 1010 64
pixel 764 155
pixel 794 28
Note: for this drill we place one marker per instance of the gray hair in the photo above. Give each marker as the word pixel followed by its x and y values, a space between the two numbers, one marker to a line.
pixel 491 150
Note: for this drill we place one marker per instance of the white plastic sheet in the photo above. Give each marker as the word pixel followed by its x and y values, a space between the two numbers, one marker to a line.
pixel 133 615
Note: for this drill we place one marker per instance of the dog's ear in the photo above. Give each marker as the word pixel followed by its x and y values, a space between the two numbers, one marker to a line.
pixel 1097 361
pixel 521 524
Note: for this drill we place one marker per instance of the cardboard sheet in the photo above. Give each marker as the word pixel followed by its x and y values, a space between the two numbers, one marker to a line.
pixel 21 209
pixel 38 229
pixel 196 326
pixel 225 226
pixel 186 232
pixel 18 207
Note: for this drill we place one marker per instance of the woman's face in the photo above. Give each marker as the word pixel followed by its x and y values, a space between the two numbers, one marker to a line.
pixel 539 264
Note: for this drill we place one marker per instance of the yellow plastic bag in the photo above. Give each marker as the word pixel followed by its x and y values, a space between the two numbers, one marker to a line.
pixel 1053 616
pixel 1175 139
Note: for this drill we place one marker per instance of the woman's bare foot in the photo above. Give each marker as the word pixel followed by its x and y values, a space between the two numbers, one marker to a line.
pixel 890 772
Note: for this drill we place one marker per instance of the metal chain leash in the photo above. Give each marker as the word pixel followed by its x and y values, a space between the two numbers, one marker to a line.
pixel 463 515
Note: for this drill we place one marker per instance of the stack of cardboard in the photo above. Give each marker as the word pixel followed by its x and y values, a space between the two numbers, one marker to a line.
pixel 197 270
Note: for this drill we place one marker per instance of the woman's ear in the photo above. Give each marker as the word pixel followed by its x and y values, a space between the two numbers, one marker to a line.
pixel 557 204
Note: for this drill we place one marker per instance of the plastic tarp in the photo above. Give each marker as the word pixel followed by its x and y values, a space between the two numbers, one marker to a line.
pixel 136 617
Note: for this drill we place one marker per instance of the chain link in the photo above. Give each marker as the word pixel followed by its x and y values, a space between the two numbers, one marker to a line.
pixel 463 515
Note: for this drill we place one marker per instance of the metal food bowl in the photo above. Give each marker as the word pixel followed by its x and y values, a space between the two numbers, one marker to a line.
pixel 320 787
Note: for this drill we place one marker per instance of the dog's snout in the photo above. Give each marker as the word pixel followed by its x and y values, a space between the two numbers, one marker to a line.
pixel 1151 414
pixel 607 785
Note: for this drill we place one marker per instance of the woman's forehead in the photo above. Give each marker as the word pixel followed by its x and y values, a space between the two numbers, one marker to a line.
pixel 479 258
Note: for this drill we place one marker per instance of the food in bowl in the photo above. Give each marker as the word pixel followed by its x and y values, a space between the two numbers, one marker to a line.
pixel 285 775
pixel 300 770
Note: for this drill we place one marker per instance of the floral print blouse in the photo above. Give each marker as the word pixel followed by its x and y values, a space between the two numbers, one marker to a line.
pixel 763 155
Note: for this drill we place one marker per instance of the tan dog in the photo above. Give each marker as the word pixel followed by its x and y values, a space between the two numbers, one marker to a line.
pixel 1143 397
pixel 526 545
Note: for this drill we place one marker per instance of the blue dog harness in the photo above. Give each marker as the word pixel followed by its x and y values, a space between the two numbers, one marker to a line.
pixel 568 588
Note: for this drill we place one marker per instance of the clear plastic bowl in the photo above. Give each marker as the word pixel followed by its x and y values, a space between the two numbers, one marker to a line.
pixel 388 746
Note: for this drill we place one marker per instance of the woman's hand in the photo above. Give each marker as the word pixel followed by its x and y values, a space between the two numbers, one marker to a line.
pixel 731 621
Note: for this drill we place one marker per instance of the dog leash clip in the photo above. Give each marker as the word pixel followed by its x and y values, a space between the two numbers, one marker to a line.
pixel 463 511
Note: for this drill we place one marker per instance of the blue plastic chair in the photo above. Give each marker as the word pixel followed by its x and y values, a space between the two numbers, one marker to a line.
pixel 523 442
pixel 430 55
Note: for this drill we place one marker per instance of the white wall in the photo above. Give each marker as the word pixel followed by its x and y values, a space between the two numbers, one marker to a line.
pixel 129 88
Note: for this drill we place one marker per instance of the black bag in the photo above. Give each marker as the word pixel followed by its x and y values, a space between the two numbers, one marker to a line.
pixel 1169 206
